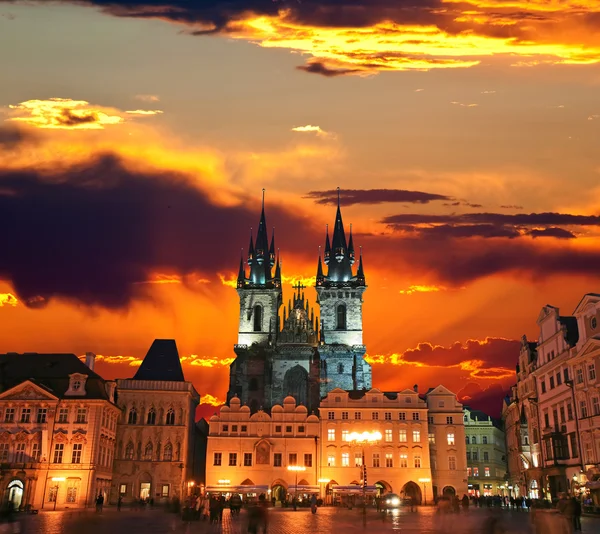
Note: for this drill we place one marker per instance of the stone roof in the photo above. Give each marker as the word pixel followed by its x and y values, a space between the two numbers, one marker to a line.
pixel 161 363
pixel 50 371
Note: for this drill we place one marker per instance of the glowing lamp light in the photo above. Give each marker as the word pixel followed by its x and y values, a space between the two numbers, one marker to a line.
pixel 58 479
pixel 296 468
pixel 324 480
pixel 223 481
pixel 424 480
pixel 364 437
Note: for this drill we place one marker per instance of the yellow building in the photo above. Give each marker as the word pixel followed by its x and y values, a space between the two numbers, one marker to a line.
pixel 252 454
pixel 58 423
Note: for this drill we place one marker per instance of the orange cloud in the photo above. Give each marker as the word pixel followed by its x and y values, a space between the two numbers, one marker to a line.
pixel 421 289
pixel 212 400
pixel 145 112
pixel 132 361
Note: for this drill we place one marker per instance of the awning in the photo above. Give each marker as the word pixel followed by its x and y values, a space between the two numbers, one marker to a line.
pixel 354 488
pixel 237 489
pixel 303 487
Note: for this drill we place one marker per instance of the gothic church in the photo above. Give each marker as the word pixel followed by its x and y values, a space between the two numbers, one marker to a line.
pixel 285 349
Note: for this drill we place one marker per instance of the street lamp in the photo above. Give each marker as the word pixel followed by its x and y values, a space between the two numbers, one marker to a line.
pixel 360 438
pixel 424 481
pixel 323 481
pixel 57 480
pixel 296 468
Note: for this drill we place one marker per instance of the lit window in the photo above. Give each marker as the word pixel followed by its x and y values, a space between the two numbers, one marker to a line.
pixel 404 460
pixel 76 457
pixel 417 459
pixel 357 459
pixel 331 434
pixel 476 471
pixel 450 438
pixel 402 435
pixel 452 463
pixel 431 438
pixel 345 434
pixel 164 491
pixel 331 460
pixel 486 471
pixel 71 493
pixel 375 459
pixel 388 435
pixel 389 459
pixel 345 459
pixel 416 436
pixel 468 471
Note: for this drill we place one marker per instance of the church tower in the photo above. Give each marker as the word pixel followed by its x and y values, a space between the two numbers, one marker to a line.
pixel 340 297
pixel 260 292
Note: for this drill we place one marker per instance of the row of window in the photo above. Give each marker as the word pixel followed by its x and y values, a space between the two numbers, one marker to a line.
pixel 557 380
pixel 151 417
pixel 474 455
pixel 20 454
pixel 152 453
pixel 71 493
pixel 473 440
pixel 278 428
pixel 388 436
pixel 475 471
pixel 41 415
pixel 557 447
pixel 556 410
pixel 247 459
pixel 387 416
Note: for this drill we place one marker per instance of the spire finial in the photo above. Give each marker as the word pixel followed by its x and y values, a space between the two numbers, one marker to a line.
pixel 263 198
pixel 338 190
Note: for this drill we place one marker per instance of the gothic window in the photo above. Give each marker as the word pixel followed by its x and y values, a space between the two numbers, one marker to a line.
pixel 168 455
pixel 253 385
pixel 170 419
pixel 148 452
pixel 132 416
pixel 151 420
pixel 341 317
pixel 340 368
pixel 129 451
pixel 258 318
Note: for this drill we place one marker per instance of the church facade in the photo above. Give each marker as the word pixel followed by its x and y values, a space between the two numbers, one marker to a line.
pixel 287 350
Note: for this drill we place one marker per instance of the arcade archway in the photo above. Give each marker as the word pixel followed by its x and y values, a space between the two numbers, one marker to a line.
pixel 279 490
pixel 448 491
pixel 15 493
pixel 411 490
pixel 383 487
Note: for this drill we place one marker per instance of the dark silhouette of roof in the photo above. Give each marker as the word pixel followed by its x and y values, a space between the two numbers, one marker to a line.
pixel 50 372
pixel 161 363
pixel 572 330
pixel 356 394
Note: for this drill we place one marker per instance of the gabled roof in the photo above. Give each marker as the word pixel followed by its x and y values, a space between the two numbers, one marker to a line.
pixel 49 371
pixel 439 390
pixel 161 363
pixel 588 298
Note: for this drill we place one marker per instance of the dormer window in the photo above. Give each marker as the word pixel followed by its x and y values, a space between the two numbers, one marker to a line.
pixel 76 384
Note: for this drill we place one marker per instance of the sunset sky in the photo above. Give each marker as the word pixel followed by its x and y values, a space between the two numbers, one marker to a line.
pixel 136 137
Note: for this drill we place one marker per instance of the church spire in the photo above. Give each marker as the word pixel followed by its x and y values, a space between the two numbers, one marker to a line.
pixel 340 266
pixel 360 274
pixel 351 248
pixel 327 246
pixel 260 271
pixel 242 272
pixel 320 278
pixel 278 267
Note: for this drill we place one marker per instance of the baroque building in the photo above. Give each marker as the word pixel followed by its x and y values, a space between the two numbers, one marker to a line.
pixel 486 454
pixel 287 350
pixel 157 450
pixel 58 422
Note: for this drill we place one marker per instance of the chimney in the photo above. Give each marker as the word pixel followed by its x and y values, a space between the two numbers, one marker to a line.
pixel 416 388
pixel 90 360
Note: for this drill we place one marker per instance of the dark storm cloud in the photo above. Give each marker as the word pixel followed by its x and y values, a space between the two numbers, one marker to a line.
pixel 520 219
pixel 10 137
pixel 90 232
pixel 444 231
pixel 316 67
pixel 560 233
pixel 373 196
pixel 68 118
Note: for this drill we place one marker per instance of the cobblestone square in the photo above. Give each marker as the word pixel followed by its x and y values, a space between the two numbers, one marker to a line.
pixel 327 520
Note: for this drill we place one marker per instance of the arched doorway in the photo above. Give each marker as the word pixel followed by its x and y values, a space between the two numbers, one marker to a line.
pixel 329 491
pixel 411 490
pixel 279 490
pixel 15 493
pixel 295 383
pixel 145 486
pixel 383 487
pixel 448 491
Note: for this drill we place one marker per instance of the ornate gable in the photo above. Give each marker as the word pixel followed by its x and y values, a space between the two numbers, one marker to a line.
pixel 27 390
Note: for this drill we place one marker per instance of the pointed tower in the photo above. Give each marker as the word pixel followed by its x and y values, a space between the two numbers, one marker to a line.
pixel 260 293
pixel 340 297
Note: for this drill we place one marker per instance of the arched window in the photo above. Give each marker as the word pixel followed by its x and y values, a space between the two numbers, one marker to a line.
pixel 341 317
pixel 168 455
pixel 148 452
pixel 474 440
pixel 151 420
pixel 129 451
pixel 258 318
pixel 340 368
pixel 467 440
pixel 132 420
pixel 170 419
pixel 253 385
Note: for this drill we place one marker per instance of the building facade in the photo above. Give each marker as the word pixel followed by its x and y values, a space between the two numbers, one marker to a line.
pixel 58 422
pixel 287 350
pixel 251 453
pixel 557 398
pixel 157 455
pixel 486 455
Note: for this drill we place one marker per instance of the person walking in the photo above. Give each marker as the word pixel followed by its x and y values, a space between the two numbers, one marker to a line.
pixel 576 514
pixel 119 503
pixel 566 507
pixel 99 503
pixel 465 502
pixel 313 504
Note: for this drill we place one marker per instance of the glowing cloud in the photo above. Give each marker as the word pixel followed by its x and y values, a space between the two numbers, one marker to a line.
pixel 63 113
pixel 311 129
pixel 421 289
pixel 145 112
pixel 8 299
pixel 211 399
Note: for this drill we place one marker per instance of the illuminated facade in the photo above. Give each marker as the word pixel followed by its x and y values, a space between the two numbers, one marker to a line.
pixel 287 350
pixel 58 423
pixel 156 454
